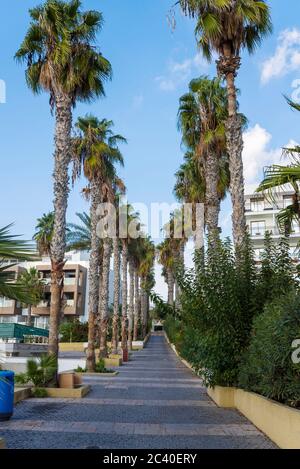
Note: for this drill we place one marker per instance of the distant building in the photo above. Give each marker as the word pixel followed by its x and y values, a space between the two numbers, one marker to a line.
pixel 75 293
pixel 261 216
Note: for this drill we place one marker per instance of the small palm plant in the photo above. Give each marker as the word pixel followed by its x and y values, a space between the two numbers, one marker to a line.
pixel 40 373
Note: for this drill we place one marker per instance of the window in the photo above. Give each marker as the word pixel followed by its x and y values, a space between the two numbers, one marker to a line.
pixel 257 205
pixel 258 228
pixel 5 302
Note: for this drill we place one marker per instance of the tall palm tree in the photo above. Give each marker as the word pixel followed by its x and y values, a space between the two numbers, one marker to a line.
pixel 31 281
pixel 62 60
pixel 190 189
pixel 201 118
pixel 95 151
pixel 127 216
pixel 166 258
pixel 13 251
pixel 113 192
pixel 227 27
pixel 146 272
pixel 44 233
pixel 135 252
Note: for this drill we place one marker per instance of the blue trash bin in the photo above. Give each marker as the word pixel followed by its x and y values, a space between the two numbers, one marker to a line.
pixel 7 385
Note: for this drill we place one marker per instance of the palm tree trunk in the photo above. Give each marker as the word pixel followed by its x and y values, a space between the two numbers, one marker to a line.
pixel 115 328
pixel 104 297
pixel 228 66
pixel 131 304
pixel 124 295
pixel 136 306
pixel 212 200
pixel 93 276
pixel 29 307
pixel 63 125
pixel 170 283
pixel 144 312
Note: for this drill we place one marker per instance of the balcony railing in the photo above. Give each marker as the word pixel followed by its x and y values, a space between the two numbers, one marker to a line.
pixel 274 230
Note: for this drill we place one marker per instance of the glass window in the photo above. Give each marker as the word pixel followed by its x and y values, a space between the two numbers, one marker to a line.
pixel 258 228
pixel 257 205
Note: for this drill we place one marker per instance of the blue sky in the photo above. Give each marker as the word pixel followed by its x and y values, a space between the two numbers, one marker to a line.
pixel 152 68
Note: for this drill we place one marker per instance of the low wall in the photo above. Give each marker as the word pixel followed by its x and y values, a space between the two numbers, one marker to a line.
pixel 279 422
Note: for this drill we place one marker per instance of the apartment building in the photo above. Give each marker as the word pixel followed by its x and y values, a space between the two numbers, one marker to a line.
pixel 261 213
pixel 9 308
pixel 75 293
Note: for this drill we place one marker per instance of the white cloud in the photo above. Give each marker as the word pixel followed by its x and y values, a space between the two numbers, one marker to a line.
pixel 258 154
pixel 286 57
pixel 180 72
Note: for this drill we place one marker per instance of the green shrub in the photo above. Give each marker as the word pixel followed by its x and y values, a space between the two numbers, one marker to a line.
pixel 100 367
pixel 267 367
pixel 80 370
pixel 73 331
pixel 39 392
pixel 38 372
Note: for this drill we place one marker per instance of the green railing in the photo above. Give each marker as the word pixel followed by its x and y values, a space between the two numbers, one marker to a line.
pixel 18 331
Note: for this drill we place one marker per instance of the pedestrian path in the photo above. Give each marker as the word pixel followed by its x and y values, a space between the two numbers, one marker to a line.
pixel 154 403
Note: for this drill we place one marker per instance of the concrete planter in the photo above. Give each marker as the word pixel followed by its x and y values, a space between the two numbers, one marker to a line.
pixel 99 375
pixel 21 394
pixel 116 361
pixel 76 393
pixel 279 422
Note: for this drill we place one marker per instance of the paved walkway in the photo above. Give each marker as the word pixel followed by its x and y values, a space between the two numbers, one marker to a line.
pixel 155 402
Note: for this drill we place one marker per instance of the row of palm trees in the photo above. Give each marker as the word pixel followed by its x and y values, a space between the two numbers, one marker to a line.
pixel 62 59
pixel 210 122
pixel 209 119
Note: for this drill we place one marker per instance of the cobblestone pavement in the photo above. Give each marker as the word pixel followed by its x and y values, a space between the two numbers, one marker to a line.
pixel 155 402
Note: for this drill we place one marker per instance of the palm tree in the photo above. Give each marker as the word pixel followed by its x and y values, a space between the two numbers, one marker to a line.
pixel 79 236
pixel 226 27
pixel 279 176
pixel 96 151
pixel 13 251
pixel 31 282
pixel 63 61
pixel 146 272
pixel 135 251
pixel 201 118
pixel 44 233
pixel 127 216
pixel 166 259
pixel 190 189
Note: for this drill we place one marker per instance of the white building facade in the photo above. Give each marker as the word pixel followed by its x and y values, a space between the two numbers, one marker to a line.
pixel 261 217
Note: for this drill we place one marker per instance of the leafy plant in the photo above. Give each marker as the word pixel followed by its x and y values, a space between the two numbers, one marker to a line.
pixel 267 367
pixel 39 393
pixel 74 331
pixel 40 373
pixel 100 367
pixel 79 369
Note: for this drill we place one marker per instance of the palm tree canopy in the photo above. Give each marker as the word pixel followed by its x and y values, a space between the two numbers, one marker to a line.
pixel 32 282
pixel 202 113
pixel 16 250
pixel 79 236
pixel 236 24
pixel 44 233
pixel 96 150
pixel 59 52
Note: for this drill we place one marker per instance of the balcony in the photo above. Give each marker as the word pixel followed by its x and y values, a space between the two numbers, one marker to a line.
pixel 274 232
